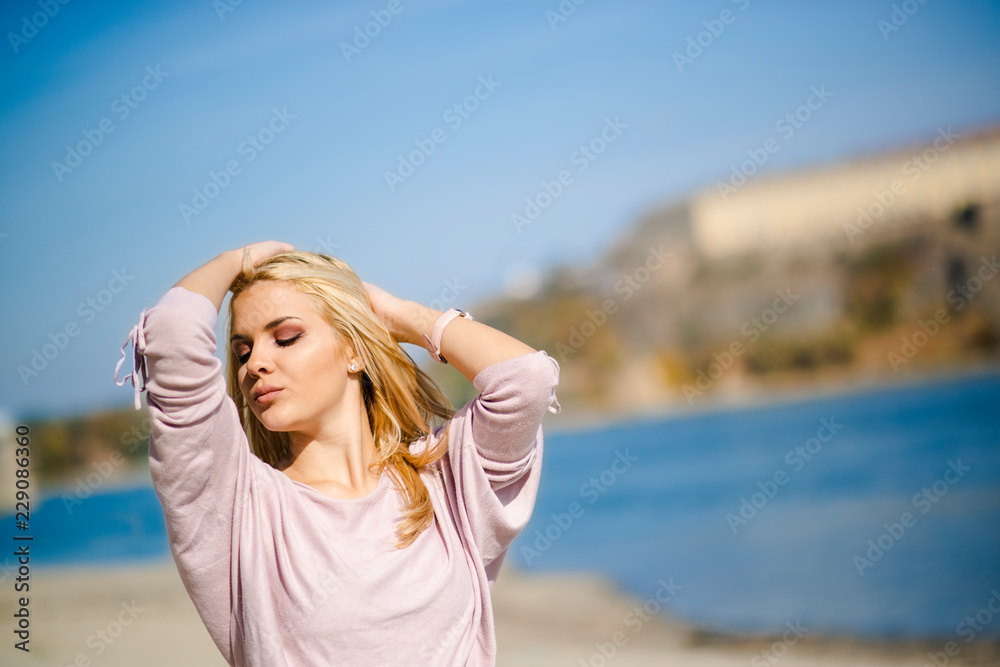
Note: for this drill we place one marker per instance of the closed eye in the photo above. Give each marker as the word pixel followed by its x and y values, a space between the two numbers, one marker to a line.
pixel 283 342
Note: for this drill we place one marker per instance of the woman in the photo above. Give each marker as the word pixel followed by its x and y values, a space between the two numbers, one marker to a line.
pixel 314 516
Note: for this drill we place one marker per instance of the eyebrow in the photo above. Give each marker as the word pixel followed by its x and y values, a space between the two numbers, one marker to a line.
pixel 267 327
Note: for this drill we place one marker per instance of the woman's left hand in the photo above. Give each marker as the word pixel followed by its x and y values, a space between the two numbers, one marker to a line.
pixel 392 310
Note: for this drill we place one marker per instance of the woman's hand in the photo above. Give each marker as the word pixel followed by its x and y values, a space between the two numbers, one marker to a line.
pixel 212 279
pixel 262 250
pixel 394 312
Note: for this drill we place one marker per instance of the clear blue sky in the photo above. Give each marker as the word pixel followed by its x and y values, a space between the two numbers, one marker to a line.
pixel 322 179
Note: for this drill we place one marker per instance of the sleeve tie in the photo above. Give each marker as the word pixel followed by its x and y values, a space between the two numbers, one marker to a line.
pixel 138 375
pixel 554 406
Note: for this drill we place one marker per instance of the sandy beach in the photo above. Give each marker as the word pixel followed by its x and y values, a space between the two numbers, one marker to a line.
pixel 550 619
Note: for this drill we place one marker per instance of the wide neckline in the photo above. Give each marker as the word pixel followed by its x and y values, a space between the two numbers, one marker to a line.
pixel 383 482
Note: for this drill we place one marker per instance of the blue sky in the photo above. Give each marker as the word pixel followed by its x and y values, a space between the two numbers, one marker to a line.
pixel 320 182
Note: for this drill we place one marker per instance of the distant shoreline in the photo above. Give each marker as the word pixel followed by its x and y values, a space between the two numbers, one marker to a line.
pixel 773 396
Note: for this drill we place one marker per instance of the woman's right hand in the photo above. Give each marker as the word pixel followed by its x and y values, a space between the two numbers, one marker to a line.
pixel 213 278
pixel 261 250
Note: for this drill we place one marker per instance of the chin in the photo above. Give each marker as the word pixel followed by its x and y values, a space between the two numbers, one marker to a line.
pixel 275 425
pixel 271 420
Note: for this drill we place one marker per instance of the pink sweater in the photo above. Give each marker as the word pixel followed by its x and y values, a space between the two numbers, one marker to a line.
pixel 285 576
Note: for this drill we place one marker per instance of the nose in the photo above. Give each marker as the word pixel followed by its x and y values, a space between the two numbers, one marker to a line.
pixel 259 361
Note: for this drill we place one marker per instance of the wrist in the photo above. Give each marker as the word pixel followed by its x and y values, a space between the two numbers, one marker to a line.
pixel 213 278
pixel 231 262
pixel 419 321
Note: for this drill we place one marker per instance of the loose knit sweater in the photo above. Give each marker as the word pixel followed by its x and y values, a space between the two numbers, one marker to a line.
pixel 283 575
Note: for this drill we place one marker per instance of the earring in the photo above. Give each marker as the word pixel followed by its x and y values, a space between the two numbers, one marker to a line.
pixel 353 367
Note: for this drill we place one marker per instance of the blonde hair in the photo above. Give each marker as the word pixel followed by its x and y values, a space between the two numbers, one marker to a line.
pixel 399 397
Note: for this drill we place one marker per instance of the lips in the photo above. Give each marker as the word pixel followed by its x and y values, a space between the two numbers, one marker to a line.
pixel 265 393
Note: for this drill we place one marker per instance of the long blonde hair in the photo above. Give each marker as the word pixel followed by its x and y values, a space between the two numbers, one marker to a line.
pixel 399 397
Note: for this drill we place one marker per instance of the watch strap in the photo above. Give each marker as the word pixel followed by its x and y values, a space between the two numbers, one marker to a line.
pixel 433 342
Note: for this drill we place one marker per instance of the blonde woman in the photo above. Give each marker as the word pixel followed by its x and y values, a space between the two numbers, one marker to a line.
pixel 315 516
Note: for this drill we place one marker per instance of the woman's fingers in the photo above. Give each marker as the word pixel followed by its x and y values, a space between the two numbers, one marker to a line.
pixel 393 311
pixel 264 249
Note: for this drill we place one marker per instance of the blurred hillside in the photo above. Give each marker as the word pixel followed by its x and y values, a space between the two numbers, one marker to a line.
pixel 82 453
pixel 859 272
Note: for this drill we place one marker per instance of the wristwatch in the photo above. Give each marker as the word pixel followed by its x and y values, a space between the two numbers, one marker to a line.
pixel 433 341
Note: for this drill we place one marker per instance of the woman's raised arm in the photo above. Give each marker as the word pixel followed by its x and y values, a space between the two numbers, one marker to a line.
pixel 213 278
pixel 468 345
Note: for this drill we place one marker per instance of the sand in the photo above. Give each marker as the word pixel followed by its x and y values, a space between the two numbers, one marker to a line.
pixel 550 619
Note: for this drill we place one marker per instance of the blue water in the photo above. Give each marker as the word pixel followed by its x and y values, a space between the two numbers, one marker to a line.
pixel 664 515
pixel 102 527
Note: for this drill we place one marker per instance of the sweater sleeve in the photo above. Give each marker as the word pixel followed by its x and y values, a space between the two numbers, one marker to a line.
pixel 507 415
pixel 199 457
pixel 495 450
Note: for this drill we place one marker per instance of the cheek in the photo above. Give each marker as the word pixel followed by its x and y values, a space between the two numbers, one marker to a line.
pixel 241 377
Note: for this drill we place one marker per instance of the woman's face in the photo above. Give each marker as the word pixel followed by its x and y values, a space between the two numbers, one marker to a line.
pixel 283 344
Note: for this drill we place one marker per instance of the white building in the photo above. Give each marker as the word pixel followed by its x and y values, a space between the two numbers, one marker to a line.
pixel 812 206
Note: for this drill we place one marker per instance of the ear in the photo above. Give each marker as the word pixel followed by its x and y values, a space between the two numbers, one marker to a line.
pixel 348 353
pixel 351 357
